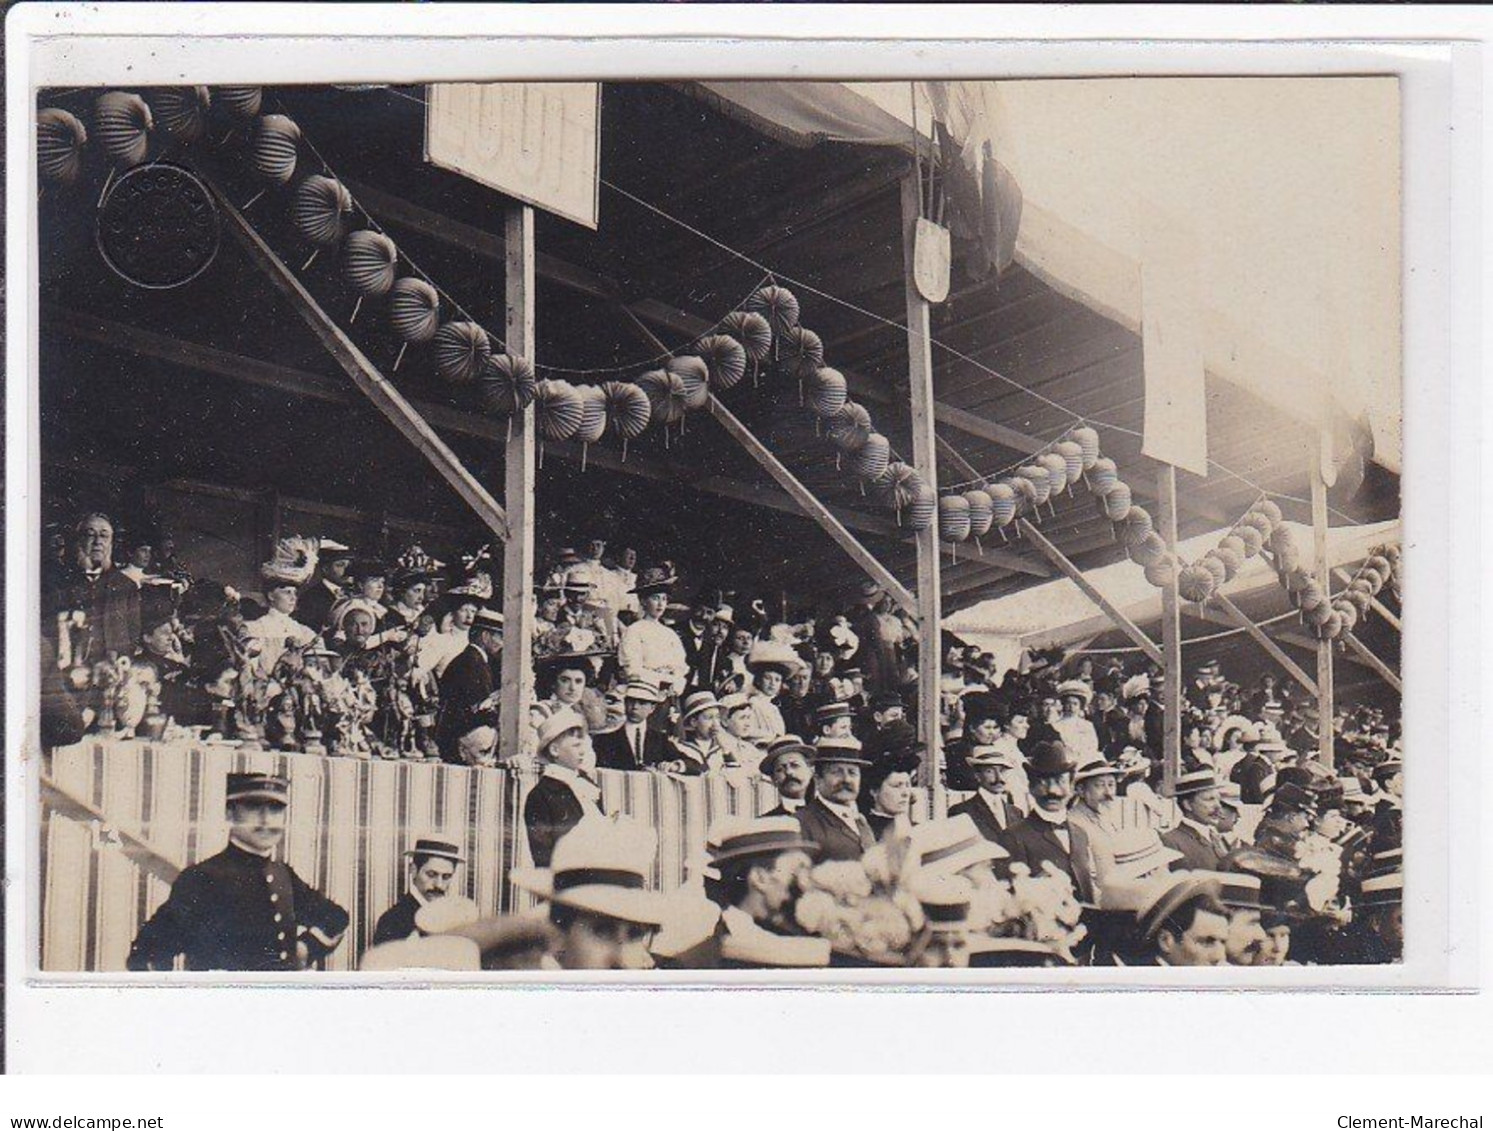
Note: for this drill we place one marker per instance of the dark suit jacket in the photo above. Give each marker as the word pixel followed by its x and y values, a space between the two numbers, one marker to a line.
pixel 467 680
pixel 984 819
pixel 314 604
pixel 1031 841
pixel 550 811
pixel 398 922
pixel 1197 854
pixel 832 835
pixel 614 753
pixel 238 911
pixel 1250 774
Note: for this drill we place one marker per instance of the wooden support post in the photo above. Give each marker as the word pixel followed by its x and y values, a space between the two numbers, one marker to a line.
pixel 1171 635
pixel 925 460
pixel 365 375
pixel 1257 634
pixel 812 506
pixel 517 687
pixel 1323 570
pixel 1374 603
pixel 1075 575
pixel 1386 673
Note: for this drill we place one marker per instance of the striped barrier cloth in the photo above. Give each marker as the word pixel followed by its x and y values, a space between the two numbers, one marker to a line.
pixel 118 816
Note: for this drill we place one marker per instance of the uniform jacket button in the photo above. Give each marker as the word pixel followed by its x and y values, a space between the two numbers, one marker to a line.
pixel 274 898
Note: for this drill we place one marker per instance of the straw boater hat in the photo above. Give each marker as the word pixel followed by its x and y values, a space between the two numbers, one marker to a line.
pixel 1195 782
pixel 1240 890
pixel 1387 890
pixel 1077 688
pixel 1139 851
pixel 950 845
pixel 1169 897
pixel 1096 768
pixel 991 756
pixel 642 690
pixel 829 712
pixel 846 748
pixel 735 701
pixel 601 866
pixel 772 656
pixel 487 618
pixel 745 841
pixel 788 744
pixel 559 722
pixel 697 702
pixel 1231 724
pixel 945 899
pixel 654 579
pixel 433 846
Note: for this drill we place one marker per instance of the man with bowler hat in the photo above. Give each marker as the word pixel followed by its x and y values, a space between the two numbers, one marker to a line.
pixel 1045 835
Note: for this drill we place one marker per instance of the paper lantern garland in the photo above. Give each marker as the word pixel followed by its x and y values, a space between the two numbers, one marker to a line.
pixel 60 138
pixel 1040 480
pixel 694 375
pixel 666 396
pixel 1073 455
pixel 593 414
pixel 1103 475
pixel 1149 550
pixel 321 209
pixel 370 262
pixel 725 359
pixel 922 509
pixel 461 352
pixel 1195 583
pixel 182 111
pixel 1162 571
pixel 776 304
pixel 1087 440
pixel 751 330
pixel 870 460
pixel 506 386
pixel 1003 502
pixel 122 124
pixel 1117 502
pixel 803 350
pixel 850 428
pixel 628 409
pixel 981 511
pixel 1057 473
pixel 1135 526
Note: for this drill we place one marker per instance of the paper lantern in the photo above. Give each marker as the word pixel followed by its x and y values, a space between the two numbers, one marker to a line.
pixel 666 396
pixel 1287 557
pixel 1072 455
pixel 1331 626
pixel 725 360
pixel 1381 564
pixel 954 518
pixel 321 209
pixel 899 483
pixel 273 148
pixel 593 414
pixel 1087 440
pixel 1298 579
pixel 1136 525
pixel 803 350
pixel 628 408
pixel 923 508
pixel 1249 537
pixel 1057 472
pixel 1232 561
pixel 1195 583
pixel 182 111
pixel 870 460
pixel 1149 550
pixel 240 101
pixel 694 374
pixel 558 409
pixel 981 511
pixel 1025 492
pixel 506 385
pixel 461 352
pixel 1347 612
pixel 776 304
pixel 1162 571
pixel 1311 597
pixel 122 124
pixel 60 138
pixel 751 330
pixel 1038 477
pixel 1375 579
pixel 849 428
pixel 1103 476
pixel 826 392
pixel 1117 502
pixel 1260 522
pixel 1232 543
pixel 1268 508
pixel 370 262
pixel 1321 613
pixel 414 310
pixel 1215 568
pixel 1004 499
pixel 1359 600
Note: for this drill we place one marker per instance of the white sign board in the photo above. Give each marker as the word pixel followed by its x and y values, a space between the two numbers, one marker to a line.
pixel 537 141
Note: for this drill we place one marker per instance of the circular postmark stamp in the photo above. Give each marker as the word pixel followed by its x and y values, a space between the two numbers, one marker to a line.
pixel 158 226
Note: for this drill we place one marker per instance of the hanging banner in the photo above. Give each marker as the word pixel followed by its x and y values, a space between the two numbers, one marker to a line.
pixel 1176 414
pixel 539 142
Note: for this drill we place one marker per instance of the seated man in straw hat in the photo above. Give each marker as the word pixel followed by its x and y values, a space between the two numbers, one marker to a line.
pixel 242 909
pixel 469 686
pixel 831 818
pixel 757 873
pixel 1197 837
pixel 991 809
pixel 789 764
pixel 433 864
pixel 565 793
pixel 1186 923
pixel 600 905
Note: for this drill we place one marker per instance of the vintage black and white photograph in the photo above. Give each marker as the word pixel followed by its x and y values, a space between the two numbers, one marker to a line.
pixel 696 527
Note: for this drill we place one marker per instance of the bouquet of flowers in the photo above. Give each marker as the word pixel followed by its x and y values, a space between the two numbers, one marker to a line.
pixel 861 916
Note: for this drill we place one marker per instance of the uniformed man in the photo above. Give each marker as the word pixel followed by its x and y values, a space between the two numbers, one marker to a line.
pixel 243 909
pixel 433 864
